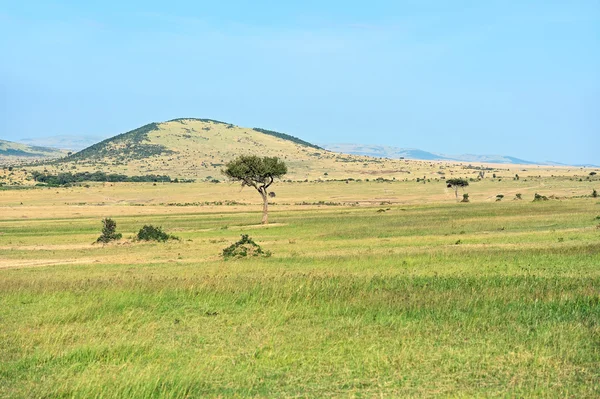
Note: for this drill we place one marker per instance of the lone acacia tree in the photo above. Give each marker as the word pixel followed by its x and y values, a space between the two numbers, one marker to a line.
pixel 455 184
pixel 256 172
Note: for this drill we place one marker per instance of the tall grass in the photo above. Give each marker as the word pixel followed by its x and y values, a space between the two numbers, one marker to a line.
pixel 352 303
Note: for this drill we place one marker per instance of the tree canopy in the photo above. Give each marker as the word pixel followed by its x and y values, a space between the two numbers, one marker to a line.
pixel 458 182
pixel 256 172
pixel 455 183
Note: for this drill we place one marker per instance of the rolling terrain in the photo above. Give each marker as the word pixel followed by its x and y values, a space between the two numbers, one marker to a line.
pixel 198 149
pixel 65 142
pixel 413 153
pixel 11 151
pixel 380 288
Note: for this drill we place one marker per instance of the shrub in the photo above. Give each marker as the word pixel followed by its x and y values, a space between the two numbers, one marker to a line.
pixel 538 197
pixel 595 193
pixel 518 196
pixel 109 228
pixel 499 197
pixel 245 247
pixel 465 198
pixel 151 233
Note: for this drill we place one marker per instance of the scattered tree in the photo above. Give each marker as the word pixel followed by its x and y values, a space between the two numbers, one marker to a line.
pixel 109 231
pixel 256 172
pixel 456 184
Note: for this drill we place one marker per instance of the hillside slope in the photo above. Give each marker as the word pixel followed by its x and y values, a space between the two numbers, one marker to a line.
pixel 195 148
pixel 9 149
pixel 66 142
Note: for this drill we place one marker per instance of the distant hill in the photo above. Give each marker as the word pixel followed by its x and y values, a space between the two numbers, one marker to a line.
pixel 65 142
pixel 9 149
pixel 198 149
pixel 413 153
pixel 195 148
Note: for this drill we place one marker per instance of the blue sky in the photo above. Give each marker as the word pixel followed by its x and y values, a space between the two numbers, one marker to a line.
pixel 518 78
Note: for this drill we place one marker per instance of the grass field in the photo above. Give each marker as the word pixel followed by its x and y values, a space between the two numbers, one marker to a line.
pixel 407 293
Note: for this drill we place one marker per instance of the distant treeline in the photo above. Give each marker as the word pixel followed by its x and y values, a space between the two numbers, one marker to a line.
pixel 69 178
pixel 286 137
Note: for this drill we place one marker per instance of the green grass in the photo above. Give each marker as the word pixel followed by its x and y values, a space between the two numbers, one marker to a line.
pixel 485 300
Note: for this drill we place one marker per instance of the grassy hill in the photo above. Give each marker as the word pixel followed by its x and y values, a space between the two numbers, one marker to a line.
pixel 198 149
pixel 10 150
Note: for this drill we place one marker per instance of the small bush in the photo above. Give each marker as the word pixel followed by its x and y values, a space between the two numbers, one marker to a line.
pixel 595 193
pixel 538 197
pixel 151 233
pixel 499 197
pixel 109 231
pixel 465 198
pixel 518 196
pixel 245 247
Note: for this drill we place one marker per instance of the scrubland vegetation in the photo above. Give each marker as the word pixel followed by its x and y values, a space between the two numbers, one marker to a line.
pixel 398 290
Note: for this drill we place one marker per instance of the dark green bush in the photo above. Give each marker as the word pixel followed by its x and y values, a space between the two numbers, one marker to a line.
pixel 151 233
pixel 245 247
pixel 539 197
pixel 109 231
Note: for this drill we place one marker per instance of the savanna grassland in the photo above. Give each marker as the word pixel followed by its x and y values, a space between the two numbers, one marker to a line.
pixel 374 289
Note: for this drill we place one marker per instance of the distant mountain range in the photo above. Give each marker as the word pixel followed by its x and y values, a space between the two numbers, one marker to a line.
pixel 381 151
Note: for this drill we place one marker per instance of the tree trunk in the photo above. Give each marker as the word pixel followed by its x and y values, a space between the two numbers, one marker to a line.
pixel 456 192
pixel 265 217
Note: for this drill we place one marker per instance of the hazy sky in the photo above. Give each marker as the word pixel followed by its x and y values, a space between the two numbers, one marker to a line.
pixel 518 78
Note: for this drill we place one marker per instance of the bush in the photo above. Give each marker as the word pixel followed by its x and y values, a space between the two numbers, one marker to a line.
pixel 518 196
pixel 151 233
pixel 538 197
pixel 595 193
pixel 499 197
pixel 109 228
pixel 245 247
pixel 465 198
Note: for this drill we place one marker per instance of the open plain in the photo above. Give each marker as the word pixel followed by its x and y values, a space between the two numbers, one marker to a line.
pixel 373 289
